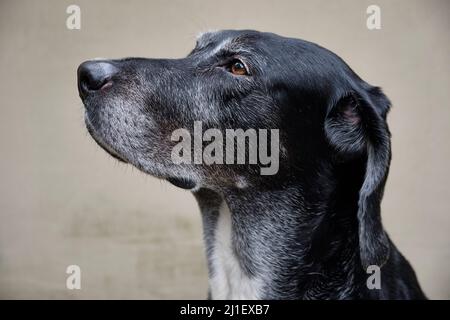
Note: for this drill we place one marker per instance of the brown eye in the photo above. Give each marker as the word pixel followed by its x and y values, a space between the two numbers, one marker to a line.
pixel 238 68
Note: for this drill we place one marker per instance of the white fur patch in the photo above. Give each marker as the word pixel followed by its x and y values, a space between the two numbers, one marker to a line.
pixel 228 280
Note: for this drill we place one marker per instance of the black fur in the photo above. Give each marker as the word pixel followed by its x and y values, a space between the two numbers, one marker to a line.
pixel 316 224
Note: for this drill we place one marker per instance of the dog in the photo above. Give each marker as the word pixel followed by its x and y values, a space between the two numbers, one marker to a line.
pixel 310 231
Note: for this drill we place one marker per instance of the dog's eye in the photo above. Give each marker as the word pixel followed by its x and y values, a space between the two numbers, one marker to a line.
pixel 238 68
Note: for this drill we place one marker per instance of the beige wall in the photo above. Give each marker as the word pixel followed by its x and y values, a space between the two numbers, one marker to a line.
pixel 64 201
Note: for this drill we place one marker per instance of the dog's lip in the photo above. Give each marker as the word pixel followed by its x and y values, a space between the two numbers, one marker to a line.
pixel 181 182
pixel 103 145
pixel 110 152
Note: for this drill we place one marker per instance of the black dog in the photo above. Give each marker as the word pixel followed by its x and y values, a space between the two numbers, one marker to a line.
pixel 307 232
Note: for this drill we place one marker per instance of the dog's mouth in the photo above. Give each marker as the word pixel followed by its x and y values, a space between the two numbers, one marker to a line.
pixel 103 145
pixel 178 181
pixel 183 183
pixel 176 178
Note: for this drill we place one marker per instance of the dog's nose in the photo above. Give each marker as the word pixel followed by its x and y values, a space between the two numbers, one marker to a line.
pixel 94 75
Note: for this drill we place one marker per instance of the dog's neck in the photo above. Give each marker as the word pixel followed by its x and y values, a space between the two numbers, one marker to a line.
pixel 281 244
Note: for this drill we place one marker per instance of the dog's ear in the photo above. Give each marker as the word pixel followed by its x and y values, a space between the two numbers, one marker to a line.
pixel 356 125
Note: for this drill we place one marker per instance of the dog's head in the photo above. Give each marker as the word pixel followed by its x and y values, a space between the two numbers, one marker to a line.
pixel 247 80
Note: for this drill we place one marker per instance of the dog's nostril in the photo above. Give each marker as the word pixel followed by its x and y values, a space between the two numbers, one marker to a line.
pixel 94 75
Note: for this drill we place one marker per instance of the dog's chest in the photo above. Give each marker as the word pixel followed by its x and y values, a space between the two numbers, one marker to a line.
pixel 228 280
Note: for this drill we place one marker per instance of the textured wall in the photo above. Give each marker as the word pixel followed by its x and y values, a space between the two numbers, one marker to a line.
pixel 64 201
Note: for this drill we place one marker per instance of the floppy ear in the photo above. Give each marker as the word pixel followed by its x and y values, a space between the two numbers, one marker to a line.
pixel 356 125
